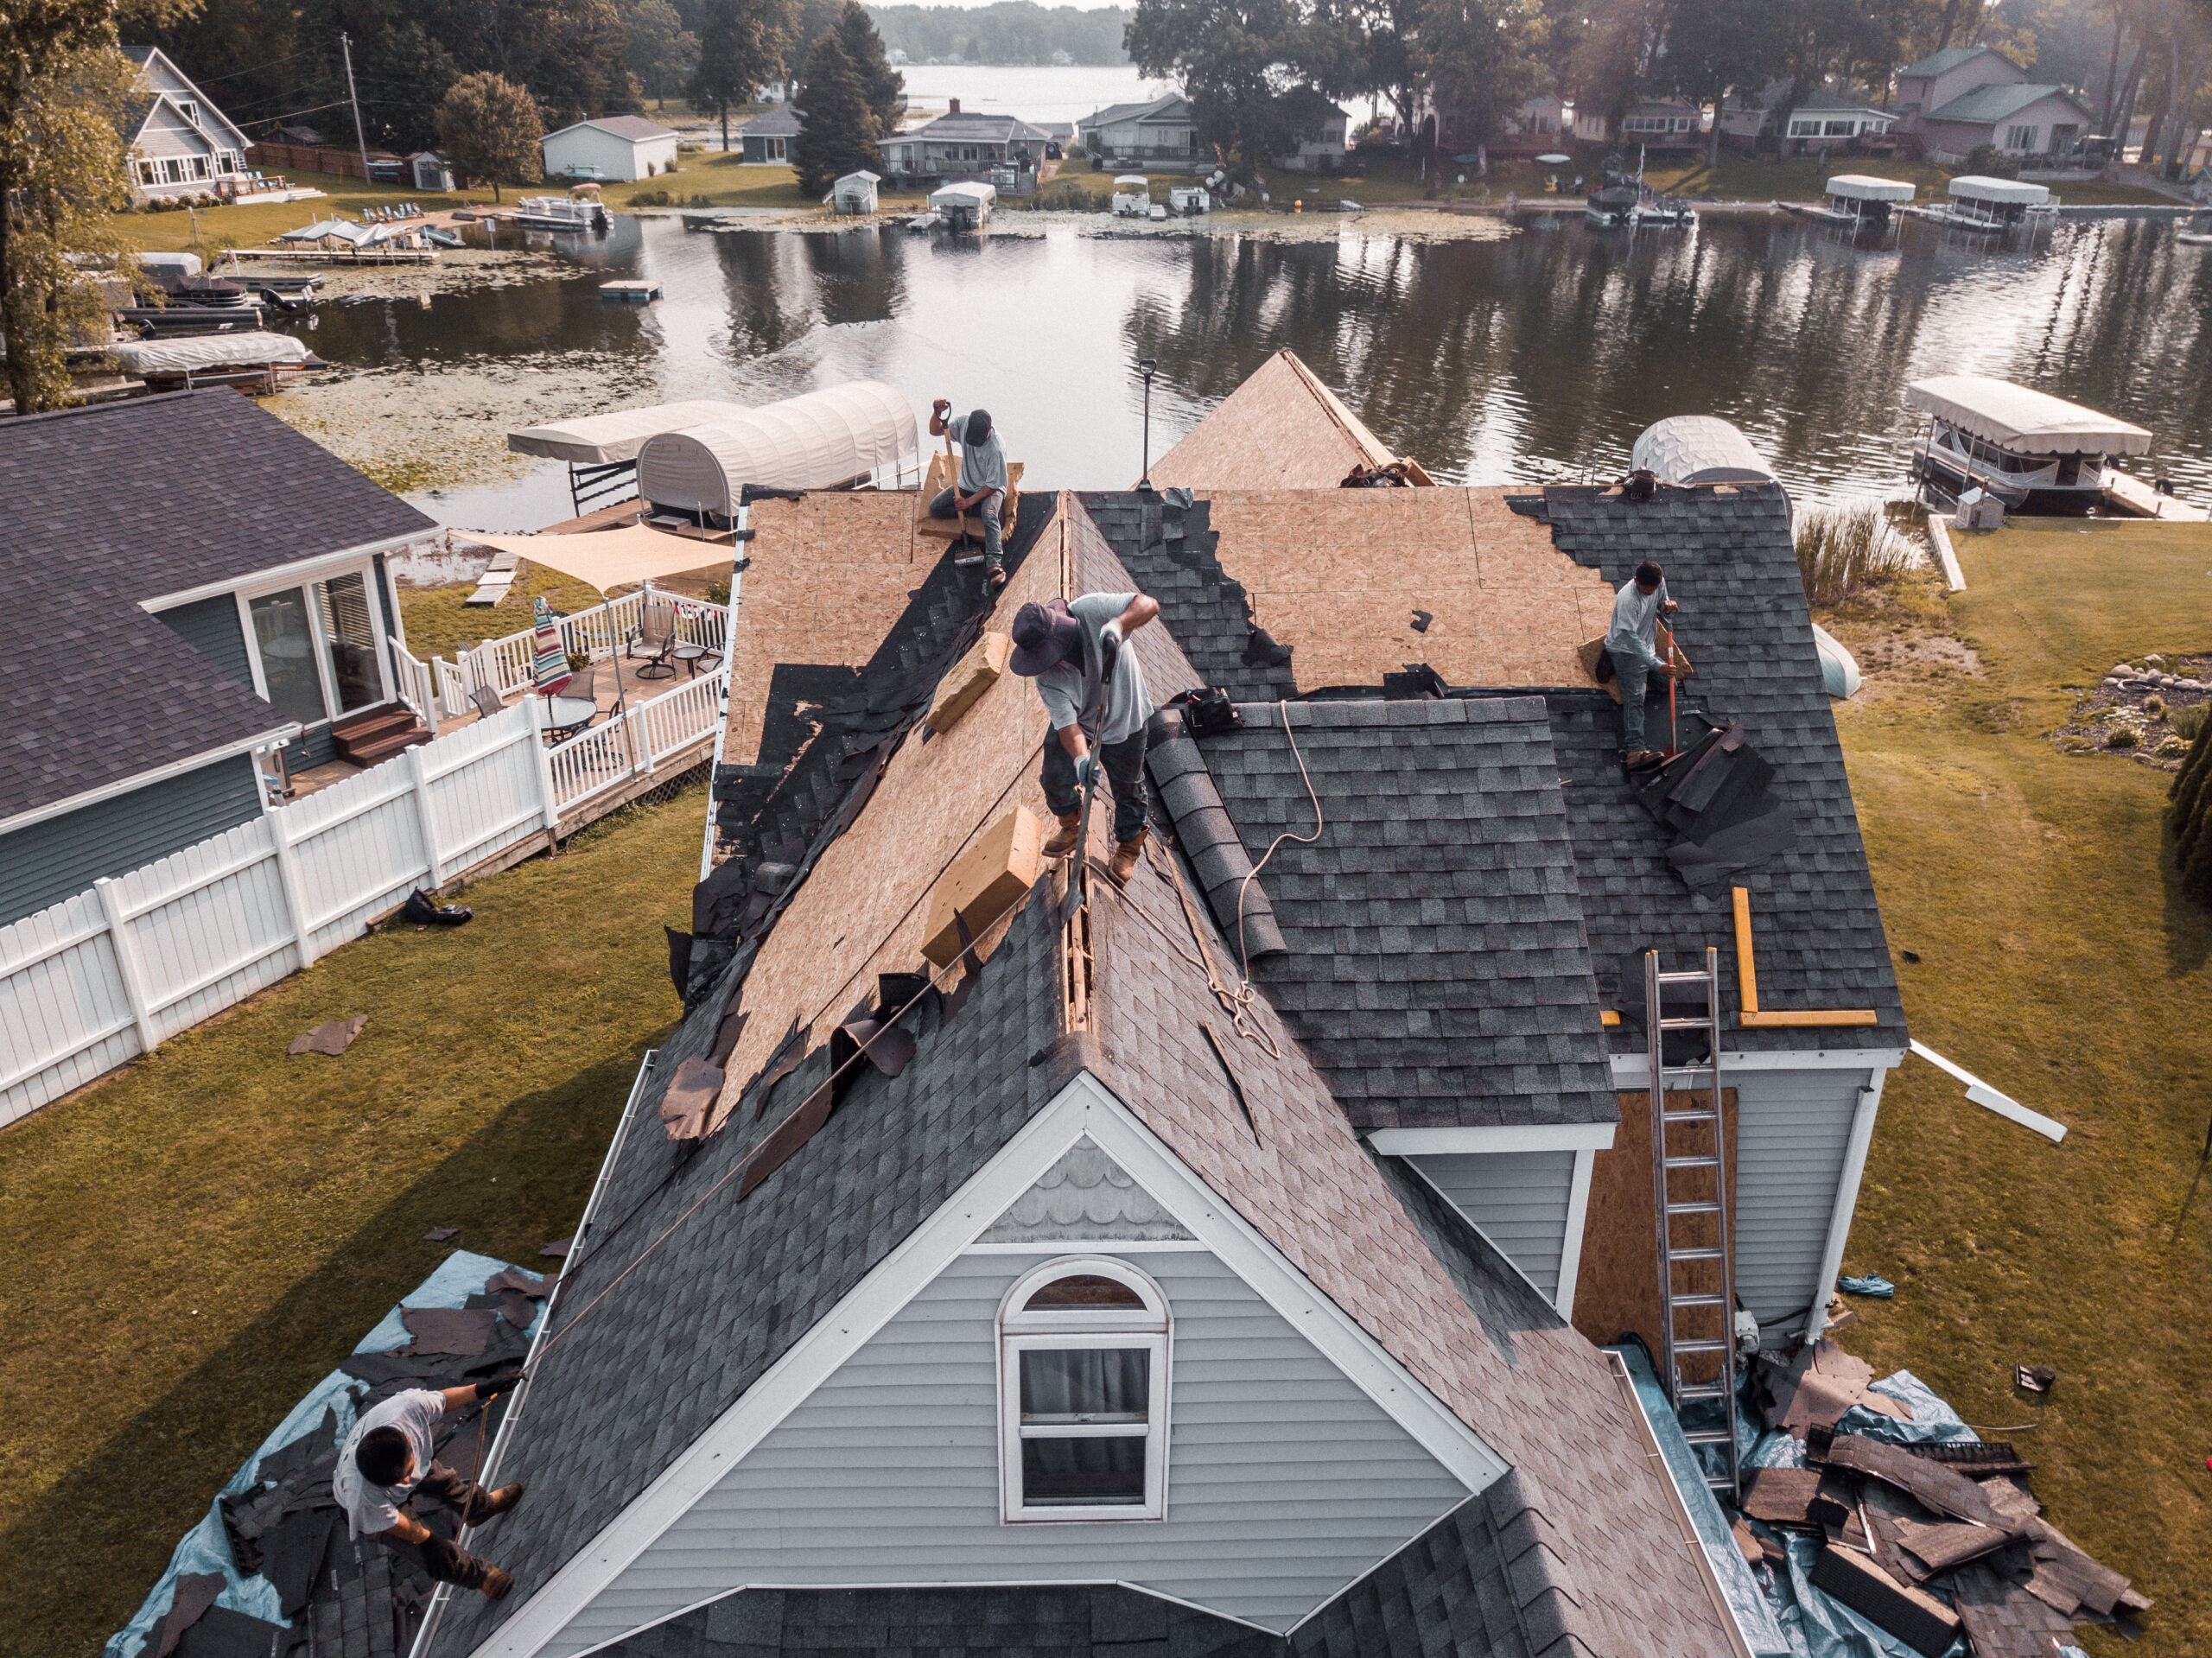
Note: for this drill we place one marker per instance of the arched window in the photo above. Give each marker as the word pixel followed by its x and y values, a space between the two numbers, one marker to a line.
pixel 1083 1394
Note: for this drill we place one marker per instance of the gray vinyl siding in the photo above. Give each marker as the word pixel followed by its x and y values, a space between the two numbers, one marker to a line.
pixel 1792 1127
pixel 1519 1200
pixel 60 858
pixel 1284 1481
pixel 212 627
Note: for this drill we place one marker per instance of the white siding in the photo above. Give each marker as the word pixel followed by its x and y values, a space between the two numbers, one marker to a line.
pixel 1518 1199
pixel 1284 1482
pixel 1791 1128
pixel 616 157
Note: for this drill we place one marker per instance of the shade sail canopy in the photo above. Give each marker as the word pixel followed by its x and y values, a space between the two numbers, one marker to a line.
pixel 190 354
pixel 2011 191
pixel 2026 421
pixel 1857 186
pixel 594 440
pixel 605 559
pixel 818 441
pixel 1698 449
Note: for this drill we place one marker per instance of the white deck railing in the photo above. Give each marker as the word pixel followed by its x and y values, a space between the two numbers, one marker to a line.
pixel 418 686
pixel 508 664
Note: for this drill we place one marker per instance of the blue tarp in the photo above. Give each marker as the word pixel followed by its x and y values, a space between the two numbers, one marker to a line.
pixel 205 1549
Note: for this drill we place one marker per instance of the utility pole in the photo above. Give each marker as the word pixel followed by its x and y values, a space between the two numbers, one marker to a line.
pixel 346 46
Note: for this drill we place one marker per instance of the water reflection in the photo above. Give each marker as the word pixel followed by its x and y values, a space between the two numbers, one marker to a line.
pixel 1509 359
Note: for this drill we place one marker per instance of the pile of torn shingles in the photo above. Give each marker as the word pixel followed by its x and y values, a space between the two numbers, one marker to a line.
pixel 344 1597
pixel 1927 1541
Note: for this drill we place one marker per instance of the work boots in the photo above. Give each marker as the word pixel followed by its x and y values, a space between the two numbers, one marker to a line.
pixel 496 1503
pixel 1063 839
pixel 1125 860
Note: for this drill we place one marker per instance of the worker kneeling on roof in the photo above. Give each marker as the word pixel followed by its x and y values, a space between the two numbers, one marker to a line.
pixel 981 485
pixel 1094 690
pixel 387 1459
pixel 1632 641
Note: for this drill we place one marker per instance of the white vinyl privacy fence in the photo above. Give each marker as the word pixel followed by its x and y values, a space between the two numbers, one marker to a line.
pixel 100 978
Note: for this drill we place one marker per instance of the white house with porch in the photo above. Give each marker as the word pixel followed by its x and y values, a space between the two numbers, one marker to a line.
pixel 180 144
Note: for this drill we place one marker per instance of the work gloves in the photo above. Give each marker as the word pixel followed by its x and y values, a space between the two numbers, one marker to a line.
pixel 1109 648
pixel 1086 771
pixel 505 1382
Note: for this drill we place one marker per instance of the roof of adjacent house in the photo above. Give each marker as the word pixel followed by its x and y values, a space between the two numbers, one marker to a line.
pixel 1155 109
pixel 1580 1545
pixel 1280 428
pixel 144 98
pixel 1985 105
pixel 781 121
pixel 102 691
pixel 1835 104
pixel 1942 63
pixel 974 126
pixel 635 128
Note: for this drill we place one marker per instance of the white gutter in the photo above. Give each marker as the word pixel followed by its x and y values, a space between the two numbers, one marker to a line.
pixel 1987 1097
pixel 136 780
pixel 1633 1070
pixel 738 559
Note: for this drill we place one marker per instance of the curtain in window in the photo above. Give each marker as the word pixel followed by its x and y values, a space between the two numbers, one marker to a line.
pixel 348 626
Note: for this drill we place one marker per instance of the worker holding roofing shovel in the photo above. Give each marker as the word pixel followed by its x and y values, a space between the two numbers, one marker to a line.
pixel 981 484
pixel 1632 641
pixel 1092 686
pixel 388 1459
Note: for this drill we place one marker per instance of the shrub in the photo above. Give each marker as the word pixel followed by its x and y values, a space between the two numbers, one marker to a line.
pixel 2172 748
pixel 2188 722
pixel 2124 737
pixel 1841 549
pixel 2154 706
pixel 1986 160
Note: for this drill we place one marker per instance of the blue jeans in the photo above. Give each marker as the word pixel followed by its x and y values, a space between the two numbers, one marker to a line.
pixel 1123 763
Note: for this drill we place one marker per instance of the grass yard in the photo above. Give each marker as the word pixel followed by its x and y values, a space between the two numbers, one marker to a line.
pixel 440 622
pixel 2056 959
pixel 194 1241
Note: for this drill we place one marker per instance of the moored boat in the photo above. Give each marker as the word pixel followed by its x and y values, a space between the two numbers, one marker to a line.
pixel 561 213
pixel 1991 206
pixel 1855 201
pixel 2032 451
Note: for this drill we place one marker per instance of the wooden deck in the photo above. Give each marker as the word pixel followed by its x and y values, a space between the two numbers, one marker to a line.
pixel 2129 493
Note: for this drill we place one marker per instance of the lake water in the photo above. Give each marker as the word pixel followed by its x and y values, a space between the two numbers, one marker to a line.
pixel 1527 357
pixel 1035 95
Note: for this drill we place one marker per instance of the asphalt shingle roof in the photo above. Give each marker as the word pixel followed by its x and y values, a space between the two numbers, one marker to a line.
pixel 110 505
pixel 1942 63
pixel 1437 970
pixel 1994 102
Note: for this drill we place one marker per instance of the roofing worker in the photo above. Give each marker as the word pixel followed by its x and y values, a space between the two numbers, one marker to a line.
pixel 387 1458
pixel 981 485
pixel 1094 690
pixel 1632 642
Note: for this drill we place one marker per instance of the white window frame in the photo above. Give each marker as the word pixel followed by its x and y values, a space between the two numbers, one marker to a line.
pixel 1019 1331
pixel 366 569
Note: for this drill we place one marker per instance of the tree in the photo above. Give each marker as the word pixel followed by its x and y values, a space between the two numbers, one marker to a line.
pixel 489 129
pixel 1715 48
pixel 1234 59
pixel 837 128
pixel 657 47
pixel 740 50
pixel 882 85
pixel 63 178
pixel 1477 56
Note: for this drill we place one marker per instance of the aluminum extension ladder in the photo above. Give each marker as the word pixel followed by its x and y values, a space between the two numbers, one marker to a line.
pixel 1690 1197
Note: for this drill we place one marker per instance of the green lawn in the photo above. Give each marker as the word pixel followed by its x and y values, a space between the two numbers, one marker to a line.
pixel 2056 959
pixel 190 1244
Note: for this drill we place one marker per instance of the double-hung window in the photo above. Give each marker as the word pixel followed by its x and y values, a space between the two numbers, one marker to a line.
pixel 1083 1354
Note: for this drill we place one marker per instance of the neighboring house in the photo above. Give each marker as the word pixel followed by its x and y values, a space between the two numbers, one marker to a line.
pixel 1747 116
pixel 1539 123
pixel 2021 119
pixel 766 138
pixel 165 640
pixel 431 171
pixel 1322 128
pixel 180 144
pixel 1822 124
pixel 1591 126
pixel 1160 133
pixel 959 145
pixel 1943 77
pixel 1663 123
pixel 613 148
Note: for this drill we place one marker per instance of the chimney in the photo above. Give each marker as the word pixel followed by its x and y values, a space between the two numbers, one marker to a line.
pixel 956 106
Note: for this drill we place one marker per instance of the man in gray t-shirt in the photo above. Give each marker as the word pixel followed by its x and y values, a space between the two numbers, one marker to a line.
pixel 389 1458
pixel 1092 686
pixel 982 485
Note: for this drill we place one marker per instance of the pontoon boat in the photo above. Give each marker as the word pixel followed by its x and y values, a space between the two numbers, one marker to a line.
pixel 2030 450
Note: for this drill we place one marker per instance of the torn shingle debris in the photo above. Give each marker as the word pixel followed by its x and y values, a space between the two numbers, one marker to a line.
pixel 332 1036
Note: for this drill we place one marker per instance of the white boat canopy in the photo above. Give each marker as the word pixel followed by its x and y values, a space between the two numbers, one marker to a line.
pixel 837 436
pixel 1134 181
pixel 1859 187
pixel 964 195
pixel 1698 449
pixel 2008 192
pixel 193 353
pixel 2024 420
pixel 596 439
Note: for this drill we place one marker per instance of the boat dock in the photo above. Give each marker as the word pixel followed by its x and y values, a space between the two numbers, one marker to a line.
pixel 2124 491
pixel 368 256
pixel 630 292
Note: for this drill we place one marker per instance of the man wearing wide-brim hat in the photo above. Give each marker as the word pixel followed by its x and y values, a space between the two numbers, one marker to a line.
pixel 1093 688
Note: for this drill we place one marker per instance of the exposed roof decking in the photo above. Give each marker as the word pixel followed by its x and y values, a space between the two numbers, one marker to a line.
pixel 1280 428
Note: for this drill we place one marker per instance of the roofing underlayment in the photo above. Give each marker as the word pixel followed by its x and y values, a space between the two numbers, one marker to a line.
pixel 1281 428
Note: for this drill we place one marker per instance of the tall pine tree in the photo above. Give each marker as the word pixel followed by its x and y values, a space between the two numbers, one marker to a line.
pixel 837 128
pixel 740 49
pixel 883 87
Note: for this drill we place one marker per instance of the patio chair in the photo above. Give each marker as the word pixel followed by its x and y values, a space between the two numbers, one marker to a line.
pixel 488 702
pixel 654 639
pixel 574 707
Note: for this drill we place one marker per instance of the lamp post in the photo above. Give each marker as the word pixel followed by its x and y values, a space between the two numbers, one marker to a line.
pixel 1148 367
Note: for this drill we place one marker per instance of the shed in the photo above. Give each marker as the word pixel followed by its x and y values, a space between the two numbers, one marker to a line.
pixel 766 138
pixel 837 437
pixel 855 193
pixel 612 149
pixel 432 171
pixel 1699 450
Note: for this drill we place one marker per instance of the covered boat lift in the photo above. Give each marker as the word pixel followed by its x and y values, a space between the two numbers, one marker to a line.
pixel 1688 449
pixel 965 206
pixel 2025 447
pixel 1979 203
pixel 838 438
pixel 601 450
pixel 1863 201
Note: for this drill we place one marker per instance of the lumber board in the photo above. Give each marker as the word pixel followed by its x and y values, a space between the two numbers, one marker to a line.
pixel 1914 1615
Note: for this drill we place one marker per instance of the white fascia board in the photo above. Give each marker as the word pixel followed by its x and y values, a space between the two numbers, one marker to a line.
pixel 1535 1137
pixel 1239 1245
pixel 1634 1070
pixel 279 576
pixel 283 732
